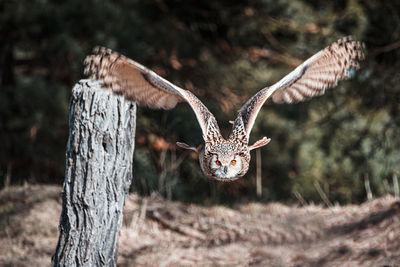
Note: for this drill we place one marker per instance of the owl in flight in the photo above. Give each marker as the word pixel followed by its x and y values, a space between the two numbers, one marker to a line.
pixel 220 158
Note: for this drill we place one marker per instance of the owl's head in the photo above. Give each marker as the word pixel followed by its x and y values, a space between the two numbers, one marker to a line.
pixel 226 167
pixel 224 162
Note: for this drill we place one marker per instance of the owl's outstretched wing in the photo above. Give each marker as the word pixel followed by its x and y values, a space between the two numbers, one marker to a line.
pixel 320 72
pixel 137 83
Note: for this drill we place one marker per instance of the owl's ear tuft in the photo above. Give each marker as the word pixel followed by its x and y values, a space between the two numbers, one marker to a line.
pixel 262 142
pixel 186 146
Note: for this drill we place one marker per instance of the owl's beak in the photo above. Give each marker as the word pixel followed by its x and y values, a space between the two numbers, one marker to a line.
pixel 225 169
pixel 262 142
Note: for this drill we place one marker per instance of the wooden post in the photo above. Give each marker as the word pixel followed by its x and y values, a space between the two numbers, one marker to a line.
pixel 98 176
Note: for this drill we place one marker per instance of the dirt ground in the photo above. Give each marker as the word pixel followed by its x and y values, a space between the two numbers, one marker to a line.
pixel 157 232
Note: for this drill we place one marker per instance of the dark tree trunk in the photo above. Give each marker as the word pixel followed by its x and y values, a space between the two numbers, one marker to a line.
pixel 98 175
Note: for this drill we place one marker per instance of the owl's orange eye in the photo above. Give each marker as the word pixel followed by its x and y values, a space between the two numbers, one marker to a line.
pixel 233 162
pixel 218 162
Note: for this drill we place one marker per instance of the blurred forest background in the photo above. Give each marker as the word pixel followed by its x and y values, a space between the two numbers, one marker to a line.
pixel 224 52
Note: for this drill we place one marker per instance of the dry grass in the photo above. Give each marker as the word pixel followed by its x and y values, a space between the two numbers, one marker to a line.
pixel 157 232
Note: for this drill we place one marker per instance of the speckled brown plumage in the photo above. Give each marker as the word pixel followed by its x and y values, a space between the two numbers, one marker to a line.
pixel 226 159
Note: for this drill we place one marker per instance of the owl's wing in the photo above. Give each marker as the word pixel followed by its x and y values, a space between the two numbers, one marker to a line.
pixel 137 83
pixel 320 72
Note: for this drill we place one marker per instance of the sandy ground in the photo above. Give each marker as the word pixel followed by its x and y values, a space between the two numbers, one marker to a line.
pixel 156 232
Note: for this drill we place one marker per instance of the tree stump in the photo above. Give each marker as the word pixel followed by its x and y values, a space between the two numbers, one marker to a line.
pixel 98 175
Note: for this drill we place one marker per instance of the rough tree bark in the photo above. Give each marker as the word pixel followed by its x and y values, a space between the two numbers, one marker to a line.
pixel 98 175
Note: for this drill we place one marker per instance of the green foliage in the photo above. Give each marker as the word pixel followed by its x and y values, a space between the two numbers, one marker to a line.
pixel 223 51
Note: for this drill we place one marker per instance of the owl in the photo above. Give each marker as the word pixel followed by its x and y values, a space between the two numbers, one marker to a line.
pixel 225 159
